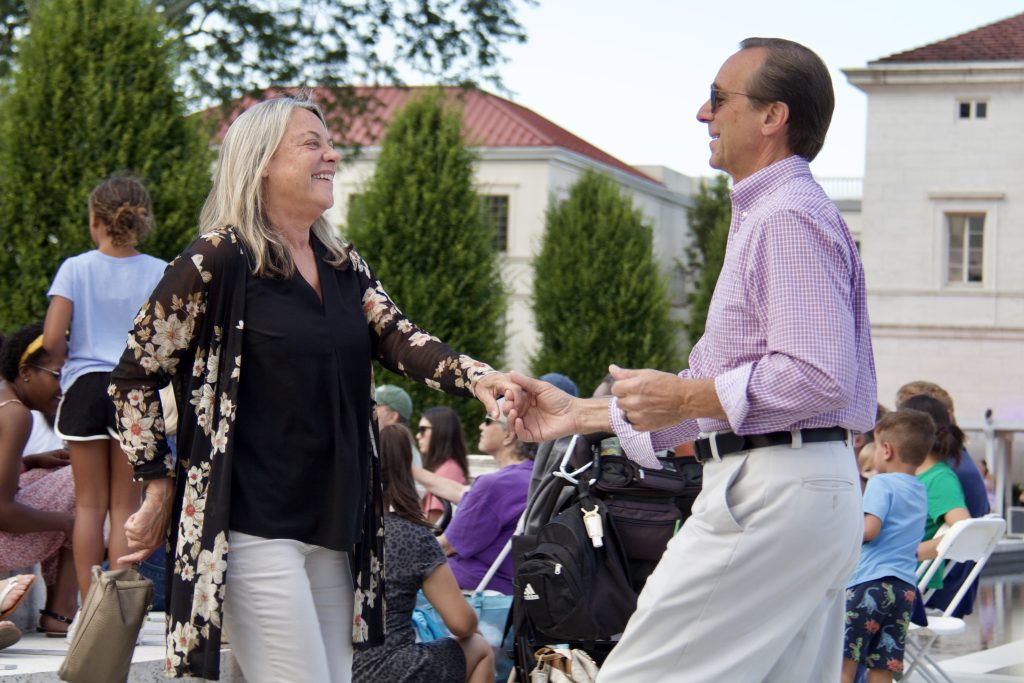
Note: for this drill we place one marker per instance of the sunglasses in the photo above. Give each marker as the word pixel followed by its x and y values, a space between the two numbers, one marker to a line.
pixel 422 429
pixel 488 420
pixel 717 100
pixel 55 373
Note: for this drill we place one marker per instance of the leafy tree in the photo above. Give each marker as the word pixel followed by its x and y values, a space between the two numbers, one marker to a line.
pixel 93 94
pixel 420 226
pixel 234 47
pixel 709 223
pixel 598 296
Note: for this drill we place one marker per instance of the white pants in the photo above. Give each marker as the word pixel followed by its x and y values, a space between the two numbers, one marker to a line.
pixel 753 587
pixel 288 611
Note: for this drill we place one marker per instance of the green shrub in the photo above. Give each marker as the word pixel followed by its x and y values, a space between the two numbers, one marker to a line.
pixel 92 95
pixel 598 296
pixel 419 225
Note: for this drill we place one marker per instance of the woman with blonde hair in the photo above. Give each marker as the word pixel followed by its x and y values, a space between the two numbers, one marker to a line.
pixel 266 326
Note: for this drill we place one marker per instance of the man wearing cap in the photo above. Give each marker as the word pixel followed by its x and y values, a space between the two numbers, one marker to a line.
pixel 752 587
pixel 394 406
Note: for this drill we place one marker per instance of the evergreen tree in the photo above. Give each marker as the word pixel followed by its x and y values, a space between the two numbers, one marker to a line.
pixel 420 226
pixel 598 296
pixel 709 223
pixel 92 95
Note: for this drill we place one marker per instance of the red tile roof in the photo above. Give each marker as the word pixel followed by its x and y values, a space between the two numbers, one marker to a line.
pixel 490 121
pixel 999 41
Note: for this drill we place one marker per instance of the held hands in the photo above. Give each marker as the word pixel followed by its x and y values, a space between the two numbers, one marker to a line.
pixel 146 528
pixel 490 388
pixel 542 411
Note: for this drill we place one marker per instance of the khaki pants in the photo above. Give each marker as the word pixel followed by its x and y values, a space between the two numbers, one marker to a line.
pixel 753 586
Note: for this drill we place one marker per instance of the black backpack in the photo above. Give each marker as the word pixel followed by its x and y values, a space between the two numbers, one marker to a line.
pixel 568 588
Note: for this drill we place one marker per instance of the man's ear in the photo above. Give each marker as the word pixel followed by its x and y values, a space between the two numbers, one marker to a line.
pixel 775 117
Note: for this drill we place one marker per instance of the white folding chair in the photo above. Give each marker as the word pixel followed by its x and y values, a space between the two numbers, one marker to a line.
pixel 967 540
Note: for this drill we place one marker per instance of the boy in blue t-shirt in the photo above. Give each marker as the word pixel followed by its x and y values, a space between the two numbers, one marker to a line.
pixel 880 594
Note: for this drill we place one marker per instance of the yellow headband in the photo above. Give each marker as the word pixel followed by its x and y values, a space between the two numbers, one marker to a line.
pixel 36 344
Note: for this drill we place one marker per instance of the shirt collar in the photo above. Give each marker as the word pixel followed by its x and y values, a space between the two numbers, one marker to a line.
pixel 749 191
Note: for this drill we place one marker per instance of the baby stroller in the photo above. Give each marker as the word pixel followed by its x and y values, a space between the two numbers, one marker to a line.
pixel 593 530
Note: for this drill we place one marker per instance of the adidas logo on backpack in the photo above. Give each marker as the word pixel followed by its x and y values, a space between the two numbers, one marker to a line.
pixel 529 593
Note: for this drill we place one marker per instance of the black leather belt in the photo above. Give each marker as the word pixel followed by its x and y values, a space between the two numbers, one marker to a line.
pixel 720 444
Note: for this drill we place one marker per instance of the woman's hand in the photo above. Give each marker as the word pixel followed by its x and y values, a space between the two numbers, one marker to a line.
pixel 145 530
pixel 489 388
pixel 49 460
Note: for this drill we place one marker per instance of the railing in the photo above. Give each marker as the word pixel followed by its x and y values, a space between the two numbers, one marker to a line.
pixel 999 436
pixel 842 188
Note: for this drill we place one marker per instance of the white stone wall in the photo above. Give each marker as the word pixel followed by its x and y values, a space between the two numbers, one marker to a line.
pixel 923 161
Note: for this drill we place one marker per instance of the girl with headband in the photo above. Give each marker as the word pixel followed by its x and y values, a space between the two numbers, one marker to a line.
pixel 37 496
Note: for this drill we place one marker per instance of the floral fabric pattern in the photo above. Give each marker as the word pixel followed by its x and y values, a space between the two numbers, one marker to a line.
pixel 189 335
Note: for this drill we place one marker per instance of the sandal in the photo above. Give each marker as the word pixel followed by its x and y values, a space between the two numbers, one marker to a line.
pixel 9 634
pixel 9 586
pixel 51 633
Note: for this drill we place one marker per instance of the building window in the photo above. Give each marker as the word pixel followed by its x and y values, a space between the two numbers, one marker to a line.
pixel 965 247
pixel 964 109
pixel 495 210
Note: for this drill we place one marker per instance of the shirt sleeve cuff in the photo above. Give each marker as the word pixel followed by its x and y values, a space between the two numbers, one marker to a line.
pixel 636 445
pixel 731 388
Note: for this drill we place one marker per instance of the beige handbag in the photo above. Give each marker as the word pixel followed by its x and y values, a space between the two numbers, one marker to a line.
pixel 107 627
pixel 560 665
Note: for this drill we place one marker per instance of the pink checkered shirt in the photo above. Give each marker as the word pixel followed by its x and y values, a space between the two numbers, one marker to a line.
pixel 787 338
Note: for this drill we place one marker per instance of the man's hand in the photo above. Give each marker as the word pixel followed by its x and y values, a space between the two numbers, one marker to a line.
pixel 544 412
pixel 145 530
pixel 651 399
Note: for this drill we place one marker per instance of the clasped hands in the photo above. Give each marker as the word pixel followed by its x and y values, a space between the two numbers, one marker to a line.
pixel 649 399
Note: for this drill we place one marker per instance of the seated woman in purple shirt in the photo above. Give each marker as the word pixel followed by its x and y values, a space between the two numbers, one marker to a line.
pixel 489 510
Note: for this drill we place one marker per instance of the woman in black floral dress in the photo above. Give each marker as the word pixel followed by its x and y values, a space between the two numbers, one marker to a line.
pixel 279 460
pixel 415 561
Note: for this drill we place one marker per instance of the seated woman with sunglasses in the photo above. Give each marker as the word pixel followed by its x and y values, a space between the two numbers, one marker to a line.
pixel 489 510
pixel 37 495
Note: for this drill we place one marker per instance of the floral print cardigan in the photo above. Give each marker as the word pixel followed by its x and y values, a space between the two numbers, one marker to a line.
pixel 189 334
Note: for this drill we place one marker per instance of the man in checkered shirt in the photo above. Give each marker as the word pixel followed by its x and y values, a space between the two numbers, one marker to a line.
pixel 752 587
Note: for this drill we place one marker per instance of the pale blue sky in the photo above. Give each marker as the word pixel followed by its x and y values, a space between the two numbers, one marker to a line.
pixel 629 75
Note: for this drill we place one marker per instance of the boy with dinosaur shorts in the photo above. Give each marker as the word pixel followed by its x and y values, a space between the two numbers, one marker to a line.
pixel 880 594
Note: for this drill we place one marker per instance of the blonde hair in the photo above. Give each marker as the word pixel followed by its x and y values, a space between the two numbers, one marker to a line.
pixel 236 199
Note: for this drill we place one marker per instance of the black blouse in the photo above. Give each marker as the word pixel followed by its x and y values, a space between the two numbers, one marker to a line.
pixel 303 411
